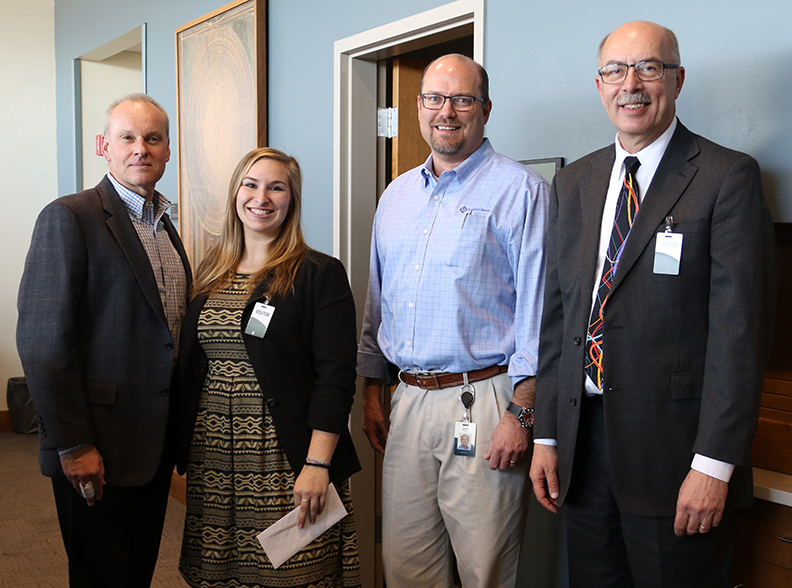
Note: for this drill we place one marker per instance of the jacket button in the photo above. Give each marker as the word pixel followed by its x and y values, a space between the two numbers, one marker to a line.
pixel 168 345
pixel 576 340
pixel 164 392
pixel 272 403
pixel 573 401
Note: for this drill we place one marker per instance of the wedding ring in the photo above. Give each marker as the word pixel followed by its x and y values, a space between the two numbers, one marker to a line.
pixel 305 500
pixel 88 490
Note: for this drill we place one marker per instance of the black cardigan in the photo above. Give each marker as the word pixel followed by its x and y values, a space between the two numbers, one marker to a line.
pixel 305 364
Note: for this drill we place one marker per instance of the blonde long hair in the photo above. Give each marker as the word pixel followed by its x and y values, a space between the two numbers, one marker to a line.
pixel 218 268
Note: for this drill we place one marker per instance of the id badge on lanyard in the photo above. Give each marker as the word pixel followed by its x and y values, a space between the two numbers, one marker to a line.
pixel 465 430
pixel 260 318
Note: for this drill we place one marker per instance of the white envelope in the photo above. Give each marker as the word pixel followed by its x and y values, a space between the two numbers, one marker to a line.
pixel 283 539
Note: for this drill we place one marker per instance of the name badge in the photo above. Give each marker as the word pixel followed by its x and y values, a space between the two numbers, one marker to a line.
pixel 668 253
pixel 465 438
pixel 260 319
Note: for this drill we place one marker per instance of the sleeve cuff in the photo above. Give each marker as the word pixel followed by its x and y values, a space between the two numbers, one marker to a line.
pixel 550 442
pixel 523 364
pixel 370 365
pixel 70 449
pixel 720 470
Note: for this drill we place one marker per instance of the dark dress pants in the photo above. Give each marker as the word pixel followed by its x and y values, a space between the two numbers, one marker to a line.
pixel 116 541
pixel 612 548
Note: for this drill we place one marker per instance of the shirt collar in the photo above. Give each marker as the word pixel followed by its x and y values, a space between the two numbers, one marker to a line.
pixel 649 156
pixel 136 204
pixel 463 171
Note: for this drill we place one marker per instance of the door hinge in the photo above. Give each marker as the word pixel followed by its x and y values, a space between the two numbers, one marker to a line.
pixel 387 122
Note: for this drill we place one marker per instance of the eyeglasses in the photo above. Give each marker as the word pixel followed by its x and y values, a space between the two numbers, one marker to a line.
pixel 458 103
pixel 647 71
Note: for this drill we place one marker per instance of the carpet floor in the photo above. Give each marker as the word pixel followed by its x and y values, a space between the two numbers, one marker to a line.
pixel 31 549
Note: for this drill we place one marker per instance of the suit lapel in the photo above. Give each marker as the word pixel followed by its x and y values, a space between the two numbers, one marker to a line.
pixel 121 226
pixel 593 190
pixel 670 180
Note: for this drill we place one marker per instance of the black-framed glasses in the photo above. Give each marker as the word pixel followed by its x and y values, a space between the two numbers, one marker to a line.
pixel 647 71
pixel 458 103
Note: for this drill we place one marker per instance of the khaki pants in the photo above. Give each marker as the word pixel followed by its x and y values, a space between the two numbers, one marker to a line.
pixel 434 501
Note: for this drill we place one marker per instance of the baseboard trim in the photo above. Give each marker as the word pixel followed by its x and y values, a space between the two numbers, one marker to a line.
pixel 178 488
pixel 5 421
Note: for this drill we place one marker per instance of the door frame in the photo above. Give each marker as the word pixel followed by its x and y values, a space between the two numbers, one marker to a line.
pixel 354 113
pixel 355 190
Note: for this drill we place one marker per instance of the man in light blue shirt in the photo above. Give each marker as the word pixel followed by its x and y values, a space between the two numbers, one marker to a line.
pixel 454 302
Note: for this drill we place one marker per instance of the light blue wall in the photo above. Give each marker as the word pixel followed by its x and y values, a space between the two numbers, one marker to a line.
pixel 301 37
pixel 83 25
pixel 737 54
pixel 541 60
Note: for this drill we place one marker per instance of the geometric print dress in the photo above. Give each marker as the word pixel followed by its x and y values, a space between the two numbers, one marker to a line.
pixel 239 481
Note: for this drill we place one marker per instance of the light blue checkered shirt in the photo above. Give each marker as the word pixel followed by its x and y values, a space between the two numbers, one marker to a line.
pixel 457 269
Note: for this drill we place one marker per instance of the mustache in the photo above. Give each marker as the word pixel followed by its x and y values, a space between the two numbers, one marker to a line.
pixel 634 98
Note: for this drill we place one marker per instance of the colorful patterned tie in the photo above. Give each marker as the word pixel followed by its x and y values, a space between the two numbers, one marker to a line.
pixel 626 209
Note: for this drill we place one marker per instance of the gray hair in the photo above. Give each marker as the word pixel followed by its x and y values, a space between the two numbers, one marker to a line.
pixel 137 97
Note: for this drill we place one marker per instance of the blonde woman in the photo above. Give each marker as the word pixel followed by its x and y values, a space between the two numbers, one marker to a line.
pixel 268 377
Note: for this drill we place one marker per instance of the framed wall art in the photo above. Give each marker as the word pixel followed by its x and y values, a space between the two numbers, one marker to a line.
pixel 546 167
pixel 221 63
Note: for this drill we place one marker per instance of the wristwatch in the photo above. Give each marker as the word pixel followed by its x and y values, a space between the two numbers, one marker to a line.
pixel 523 414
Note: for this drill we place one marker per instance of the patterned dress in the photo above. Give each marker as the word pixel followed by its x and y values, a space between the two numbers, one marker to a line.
pixel 238 479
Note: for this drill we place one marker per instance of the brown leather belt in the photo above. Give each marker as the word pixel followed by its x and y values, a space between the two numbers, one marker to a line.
pixel 439 380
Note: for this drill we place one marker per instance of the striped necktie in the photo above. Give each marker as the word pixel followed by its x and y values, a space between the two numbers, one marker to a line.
pixel 626 209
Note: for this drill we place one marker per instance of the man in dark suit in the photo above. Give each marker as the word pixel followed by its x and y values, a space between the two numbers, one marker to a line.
pixel 655 335
pixel 100 307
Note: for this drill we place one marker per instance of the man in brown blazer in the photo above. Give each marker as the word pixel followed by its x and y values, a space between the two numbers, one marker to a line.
pixel 655 335
pixel 100 308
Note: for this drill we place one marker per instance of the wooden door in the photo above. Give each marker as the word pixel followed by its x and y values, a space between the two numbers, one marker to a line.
pixel 408 148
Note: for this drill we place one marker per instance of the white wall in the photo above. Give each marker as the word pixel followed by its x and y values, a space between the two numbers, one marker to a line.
pixel 103 82
pixel 28 166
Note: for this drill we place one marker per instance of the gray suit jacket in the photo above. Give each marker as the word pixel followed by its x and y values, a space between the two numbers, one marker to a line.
pixel 684 356
pixel 93 338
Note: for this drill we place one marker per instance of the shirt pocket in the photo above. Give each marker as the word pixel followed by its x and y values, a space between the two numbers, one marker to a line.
pixel 465 243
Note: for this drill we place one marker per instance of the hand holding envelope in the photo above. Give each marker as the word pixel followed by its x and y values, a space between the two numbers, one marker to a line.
pixel 283 539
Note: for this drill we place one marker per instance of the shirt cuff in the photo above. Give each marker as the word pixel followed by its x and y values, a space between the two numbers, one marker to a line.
pixel 70 449
pixel 720 470
pixel 550 442
pixel 371 365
